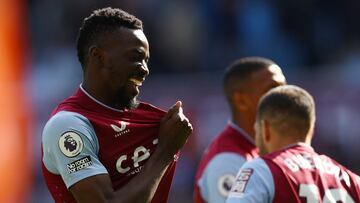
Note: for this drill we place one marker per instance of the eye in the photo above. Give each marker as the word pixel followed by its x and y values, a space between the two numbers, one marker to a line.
pixel 138 56
pixel 147 60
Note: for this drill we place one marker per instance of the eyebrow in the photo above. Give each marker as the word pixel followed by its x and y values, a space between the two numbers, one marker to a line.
pixel 138 51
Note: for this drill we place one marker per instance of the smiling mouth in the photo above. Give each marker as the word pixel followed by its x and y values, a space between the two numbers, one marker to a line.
pixel 136 81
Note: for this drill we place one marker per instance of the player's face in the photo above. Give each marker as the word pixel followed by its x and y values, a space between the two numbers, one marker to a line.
pixel 125 60
pixel 261 82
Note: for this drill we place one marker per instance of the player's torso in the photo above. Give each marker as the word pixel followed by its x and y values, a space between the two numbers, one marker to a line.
pixel 303 176
pixel 125 144
pixel 232 141
pixel 126 140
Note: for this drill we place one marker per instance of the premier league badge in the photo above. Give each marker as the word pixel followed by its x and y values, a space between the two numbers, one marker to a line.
pixel 70 144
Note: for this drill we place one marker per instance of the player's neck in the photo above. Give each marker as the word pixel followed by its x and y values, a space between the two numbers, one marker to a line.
pixel 283 142
pixel 95 91
pixel 244 124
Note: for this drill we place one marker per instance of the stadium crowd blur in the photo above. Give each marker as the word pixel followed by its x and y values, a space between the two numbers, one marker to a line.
pixel 317 44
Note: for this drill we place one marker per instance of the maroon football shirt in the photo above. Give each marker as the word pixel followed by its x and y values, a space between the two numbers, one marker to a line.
pixel 126 141
pixel 301 175
pixel 231 140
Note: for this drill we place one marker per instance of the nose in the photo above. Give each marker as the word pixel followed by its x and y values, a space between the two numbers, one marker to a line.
pixel 143 69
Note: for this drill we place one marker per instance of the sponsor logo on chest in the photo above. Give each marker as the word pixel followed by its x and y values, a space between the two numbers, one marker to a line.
pixel 120 128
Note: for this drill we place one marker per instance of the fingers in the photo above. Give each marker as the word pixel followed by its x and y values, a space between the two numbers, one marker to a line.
pixel 176 116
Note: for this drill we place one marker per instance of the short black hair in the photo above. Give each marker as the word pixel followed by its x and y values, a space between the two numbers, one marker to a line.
pixel 100 22
pixel 240 71
pixel 288 107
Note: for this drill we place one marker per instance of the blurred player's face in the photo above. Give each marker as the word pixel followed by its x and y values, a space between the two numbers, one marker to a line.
pixel 126 54
pixel 261 82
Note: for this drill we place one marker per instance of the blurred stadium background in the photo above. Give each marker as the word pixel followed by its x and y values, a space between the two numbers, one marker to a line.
pixel 317 44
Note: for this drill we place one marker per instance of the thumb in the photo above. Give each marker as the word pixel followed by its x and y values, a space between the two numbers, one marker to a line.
pixel 174 109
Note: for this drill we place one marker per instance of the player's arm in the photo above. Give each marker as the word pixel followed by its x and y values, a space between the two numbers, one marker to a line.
pixel 253 184
pixel 218 177
pixel 140 189
pixel 174 131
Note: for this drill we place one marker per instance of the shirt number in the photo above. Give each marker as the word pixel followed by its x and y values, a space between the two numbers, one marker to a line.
pixel 312 194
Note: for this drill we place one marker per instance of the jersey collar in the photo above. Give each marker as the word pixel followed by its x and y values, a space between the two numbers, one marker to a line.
pixel 97 101
pixel 301 144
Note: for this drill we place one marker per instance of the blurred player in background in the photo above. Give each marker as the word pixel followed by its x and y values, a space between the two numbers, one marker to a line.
pixel 245 81
pixel 101 144
pixel 292 171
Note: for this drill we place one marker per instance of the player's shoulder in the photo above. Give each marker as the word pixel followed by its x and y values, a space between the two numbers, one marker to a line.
pixel 261 167
pixel 225 141
pixel 221 165
pixel 342 167
pixel 258 162
pixel 64 121
pixel 223 148
pixel 66 117
pixel 226 160
pixel 218 147
pixel 68 128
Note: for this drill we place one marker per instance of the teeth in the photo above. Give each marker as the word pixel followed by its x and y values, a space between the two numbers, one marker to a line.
pixel 136 82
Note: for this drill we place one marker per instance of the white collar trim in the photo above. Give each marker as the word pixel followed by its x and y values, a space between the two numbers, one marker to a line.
pixel 241 131
pixel 97 101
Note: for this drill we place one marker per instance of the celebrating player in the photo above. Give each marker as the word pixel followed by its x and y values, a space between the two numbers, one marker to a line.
pixel 245 81
pixel 292 171
pixel 101 144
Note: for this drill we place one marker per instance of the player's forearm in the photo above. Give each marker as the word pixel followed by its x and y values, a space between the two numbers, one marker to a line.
pixel 142 188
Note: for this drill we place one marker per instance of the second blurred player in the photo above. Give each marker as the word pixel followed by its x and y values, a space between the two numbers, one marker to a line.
pixel 245 81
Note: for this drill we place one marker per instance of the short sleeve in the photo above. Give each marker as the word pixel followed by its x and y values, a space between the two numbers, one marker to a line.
pixel 70 148
pixel 218 177
pixel 253 184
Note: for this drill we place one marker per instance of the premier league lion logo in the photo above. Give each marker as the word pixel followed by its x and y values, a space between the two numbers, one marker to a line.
pixel 224 184
pixel 70 144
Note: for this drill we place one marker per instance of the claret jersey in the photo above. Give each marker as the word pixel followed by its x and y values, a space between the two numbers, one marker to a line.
pixel 84 138
pixel 221 162
pixel 296 174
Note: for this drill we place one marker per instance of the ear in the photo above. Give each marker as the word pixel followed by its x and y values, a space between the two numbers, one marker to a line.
pixel 96 55
pixel 265 127
pixel 240 101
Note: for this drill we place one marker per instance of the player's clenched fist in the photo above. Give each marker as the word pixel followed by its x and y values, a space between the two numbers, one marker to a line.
pixel 175 129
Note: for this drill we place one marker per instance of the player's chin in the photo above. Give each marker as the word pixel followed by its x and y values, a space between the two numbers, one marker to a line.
pixel 128 99
pixel 131 102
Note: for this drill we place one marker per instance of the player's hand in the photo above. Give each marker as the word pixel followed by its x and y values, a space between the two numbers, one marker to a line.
pixel 175 129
